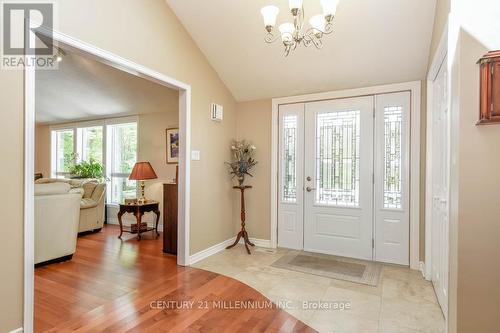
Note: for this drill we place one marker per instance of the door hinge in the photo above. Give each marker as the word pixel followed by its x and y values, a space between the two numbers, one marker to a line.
pixel 373 112
pixel 373 243
pixel 373 178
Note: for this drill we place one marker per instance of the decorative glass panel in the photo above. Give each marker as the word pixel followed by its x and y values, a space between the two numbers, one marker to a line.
pixel 393 122
pixel 289 158
pixel 337 158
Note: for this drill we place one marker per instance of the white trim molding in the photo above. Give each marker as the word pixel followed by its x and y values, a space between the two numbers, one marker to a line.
pixel 422 268
pixel 92 52
pixel 415 88
pixel 199 256
pixel 18 330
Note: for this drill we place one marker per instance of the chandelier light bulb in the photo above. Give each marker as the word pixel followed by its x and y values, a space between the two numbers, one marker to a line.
pixel 318 23
pixel 287 30
pixel 269 13
pixel 329 8
pixel 295 5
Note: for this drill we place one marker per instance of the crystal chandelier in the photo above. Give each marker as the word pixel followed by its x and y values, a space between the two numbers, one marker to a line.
pixel 294 34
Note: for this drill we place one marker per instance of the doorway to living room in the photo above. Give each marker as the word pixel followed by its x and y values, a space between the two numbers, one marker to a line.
pixel 77 136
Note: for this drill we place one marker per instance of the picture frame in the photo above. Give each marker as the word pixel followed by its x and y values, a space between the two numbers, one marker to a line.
pixel 172 140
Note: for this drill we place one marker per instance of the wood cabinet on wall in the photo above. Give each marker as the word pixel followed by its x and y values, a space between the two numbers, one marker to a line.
pixel 490 88
pixel 170 194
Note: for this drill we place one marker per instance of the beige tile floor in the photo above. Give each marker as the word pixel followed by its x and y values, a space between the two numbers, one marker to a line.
pixel 402 302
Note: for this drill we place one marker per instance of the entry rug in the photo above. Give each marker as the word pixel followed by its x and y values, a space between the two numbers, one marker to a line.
pixel 340 268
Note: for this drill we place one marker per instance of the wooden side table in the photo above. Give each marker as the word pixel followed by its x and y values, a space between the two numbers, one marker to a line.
pixel 139 210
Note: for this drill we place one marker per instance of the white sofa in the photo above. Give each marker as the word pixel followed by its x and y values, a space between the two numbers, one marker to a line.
pixel 92 203
pixel 57 215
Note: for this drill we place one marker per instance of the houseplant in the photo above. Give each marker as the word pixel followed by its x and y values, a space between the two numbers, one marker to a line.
pixel 242 160
pixel 87 169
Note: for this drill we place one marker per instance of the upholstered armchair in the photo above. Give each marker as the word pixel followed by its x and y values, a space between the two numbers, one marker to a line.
pixel 92 203
pixel 92 207
pixel 57 214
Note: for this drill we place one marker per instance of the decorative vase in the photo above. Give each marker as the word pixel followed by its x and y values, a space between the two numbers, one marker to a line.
pixel 241 180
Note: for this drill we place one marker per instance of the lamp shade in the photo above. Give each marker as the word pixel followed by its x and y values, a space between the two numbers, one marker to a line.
pixel 142 171
pixel 269 13
pixel 287 30
pixel 318 23
pixel 329 7
pixel 295 4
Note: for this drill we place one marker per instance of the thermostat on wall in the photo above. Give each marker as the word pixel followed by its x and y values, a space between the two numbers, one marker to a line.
pixel 217 112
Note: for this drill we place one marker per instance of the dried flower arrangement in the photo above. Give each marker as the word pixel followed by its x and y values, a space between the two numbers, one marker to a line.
pixel 242 160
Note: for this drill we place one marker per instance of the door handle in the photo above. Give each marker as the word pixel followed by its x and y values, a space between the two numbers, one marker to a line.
pixel 309 189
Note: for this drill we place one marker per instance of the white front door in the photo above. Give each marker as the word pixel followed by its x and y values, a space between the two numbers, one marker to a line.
pixel 344 177
pixel 338 177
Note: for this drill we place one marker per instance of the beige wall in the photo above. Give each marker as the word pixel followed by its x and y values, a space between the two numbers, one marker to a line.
pixel 42 149
pixel 11 178
pixel 254 124
pixel 475 181
pixel 150 34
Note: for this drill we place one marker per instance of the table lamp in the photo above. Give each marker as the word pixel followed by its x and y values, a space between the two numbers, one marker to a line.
pixel 142 171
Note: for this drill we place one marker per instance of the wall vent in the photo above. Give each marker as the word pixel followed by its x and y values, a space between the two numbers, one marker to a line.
pixel 216 112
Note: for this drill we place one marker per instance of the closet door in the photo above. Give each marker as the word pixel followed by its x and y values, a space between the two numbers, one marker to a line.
pixel 440 187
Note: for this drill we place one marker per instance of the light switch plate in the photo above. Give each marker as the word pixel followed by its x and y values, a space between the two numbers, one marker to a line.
pixel 195 155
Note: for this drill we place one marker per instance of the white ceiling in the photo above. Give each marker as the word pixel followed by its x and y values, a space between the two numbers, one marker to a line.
pixel 87 89
pixel 374 42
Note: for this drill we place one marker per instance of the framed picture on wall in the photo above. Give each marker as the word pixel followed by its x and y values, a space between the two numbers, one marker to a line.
pixel 172 145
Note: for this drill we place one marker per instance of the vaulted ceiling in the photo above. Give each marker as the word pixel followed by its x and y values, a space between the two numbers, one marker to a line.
pixel 374 42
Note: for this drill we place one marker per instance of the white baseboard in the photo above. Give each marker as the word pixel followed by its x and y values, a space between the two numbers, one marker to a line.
pixel 221 246
pixel 114 221
pixel 422 268
pixel 258 242
pixel 210 251
pixel 19 330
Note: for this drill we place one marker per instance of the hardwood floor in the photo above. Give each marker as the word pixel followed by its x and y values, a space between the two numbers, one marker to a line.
pixel 128 286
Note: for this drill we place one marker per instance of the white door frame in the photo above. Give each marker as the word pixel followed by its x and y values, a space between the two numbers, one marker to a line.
pixel 108 58
pixel 415 88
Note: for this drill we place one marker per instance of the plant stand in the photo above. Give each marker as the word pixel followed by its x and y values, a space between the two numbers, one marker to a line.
pixel 243 233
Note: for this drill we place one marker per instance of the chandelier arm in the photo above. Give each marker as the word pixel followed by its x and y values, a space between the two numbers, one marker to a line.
pixel 271 37
pixel 318 43
pixel 312 38
pixel 307 40
pixel 313 31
